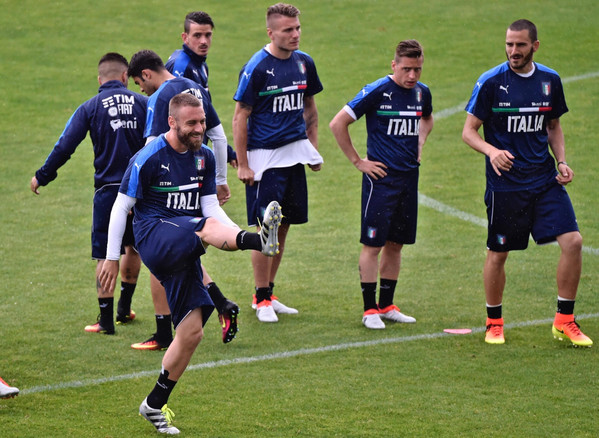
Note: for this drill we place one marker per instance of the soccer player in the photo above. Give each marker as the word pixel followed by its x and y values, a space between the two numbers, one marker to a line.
pixel 190 61
pixel 519 104
pixel 7 391
pixel 148 71
pixel 115 119
pixel 275 131
pixel 171 183
pixel 398 109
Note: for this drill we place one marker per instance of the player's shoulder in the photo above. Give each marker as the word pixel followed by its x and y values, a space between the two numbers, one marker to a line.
pixel 494 73
pixel 258 59
pixel 546 70
pixel 150 151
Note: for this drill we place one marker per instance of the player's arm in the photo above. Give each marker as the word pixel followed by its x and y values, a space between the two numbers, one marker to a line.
pixel 116 228
pixel 340 128
pixel 240 139
pixel 500 159
pixel 73 134
pixel 219 146
pixel 311 119
pixel 211 208
pixel 555 135
pixel 426 126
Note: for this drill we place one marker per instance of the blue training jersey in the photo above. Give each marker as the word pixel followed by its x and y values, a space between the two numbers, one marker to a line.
pixel 157 119
pixel 275 89
pixel 393 116
pixel 188 64
pixel 115 120
pixel 515 111
pixel 167 183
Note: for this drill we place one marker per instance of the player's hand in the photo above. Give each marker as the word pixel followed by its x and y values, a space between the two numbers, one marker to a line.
pixel 223 193
pixel 374 169
pixel 34 185
pixel 233 164
pixel 501 160
pixel 245 175
pixel 315 167
pixel 108 274
pixel 565 174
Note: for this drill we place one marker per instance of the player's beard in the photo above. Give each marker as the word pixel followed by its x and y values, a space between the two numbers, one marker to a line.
pixel 521 63
pixel 191 140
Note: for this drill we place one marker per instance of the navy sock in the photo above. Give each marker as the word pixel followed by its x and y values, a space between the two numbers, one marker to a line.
pixel 124 305
pixel 565 307
pixel 387 292
pixel 161 392
pixel 106 312
pixel 262 293
pixel 369 295
pixel 217 296
pixel 494 312
pixel 246 240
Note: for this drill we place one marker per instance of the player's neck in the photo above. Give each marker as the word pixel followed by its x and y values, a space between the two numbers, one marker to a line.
pixel 277 52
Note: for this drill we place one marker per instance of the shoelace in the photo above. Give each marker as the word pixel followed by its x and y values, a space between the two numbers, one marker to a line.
pixel 495 329
pixel 573 328
pixel 168 415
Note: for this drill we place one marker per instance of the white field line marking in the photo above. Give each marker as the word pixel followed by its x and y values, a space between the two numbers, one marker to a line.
pixel 282 355
pixel 436 205
pixel 429 202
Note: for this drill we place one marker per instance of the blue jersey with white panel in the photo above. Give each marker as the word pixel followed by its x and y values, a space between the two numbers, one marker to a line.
pixel 167 183
pixel 515 110
pixel 157 119
pixel 275 89
pixel 188 64
pixel 393 116
pixel 115 120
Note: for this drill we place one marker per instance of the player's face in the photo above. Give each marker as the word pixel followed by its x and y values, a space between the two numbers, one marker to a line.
pixel 199 38
pixel 145 84
pixel 284 32
pixel 407 71
pixel 519 50
pixel 190 124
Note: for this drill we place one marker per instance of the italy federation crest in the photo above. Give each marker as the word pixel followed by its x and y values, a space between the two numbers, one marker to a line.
pixel 200 162
pixel 546 88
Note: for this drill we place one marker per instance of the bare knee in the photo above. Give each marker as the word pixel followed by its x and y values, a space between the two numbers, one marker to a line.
pixel 570 243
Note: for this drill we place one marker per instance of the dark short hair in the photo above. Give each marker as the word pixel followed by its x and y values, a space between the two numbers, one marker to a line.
pixel 142 60
pixel 114 57
pixel 409 49
pixel 111 66
pixel 180 100
pixel 524 24
pixel 198 17
pixel 284 9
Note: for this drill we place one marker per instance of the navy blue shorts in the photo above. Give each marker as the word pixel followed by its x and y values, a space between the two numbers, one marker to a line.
pixel 389 208
pixel 545 213
pixel 288 186
pixel 171 250
pixel 104 199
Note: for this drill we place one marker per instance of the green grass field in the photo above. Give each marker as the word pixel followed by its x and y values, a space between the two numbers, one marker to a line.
pixel 319 373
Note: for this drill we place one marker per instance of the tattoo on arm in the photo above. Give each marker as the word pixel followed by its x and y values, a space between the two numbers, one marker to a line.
pixel 225 247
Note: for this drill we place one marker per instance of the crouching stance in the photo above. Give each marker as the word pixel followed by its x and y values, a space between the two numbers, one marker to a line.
pixel 170 181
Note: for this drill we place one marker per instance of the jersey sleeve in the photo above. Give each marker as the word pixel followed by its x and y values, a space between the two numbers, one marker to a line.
pixel 480 103
pixel 314 84
pixel 74 133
